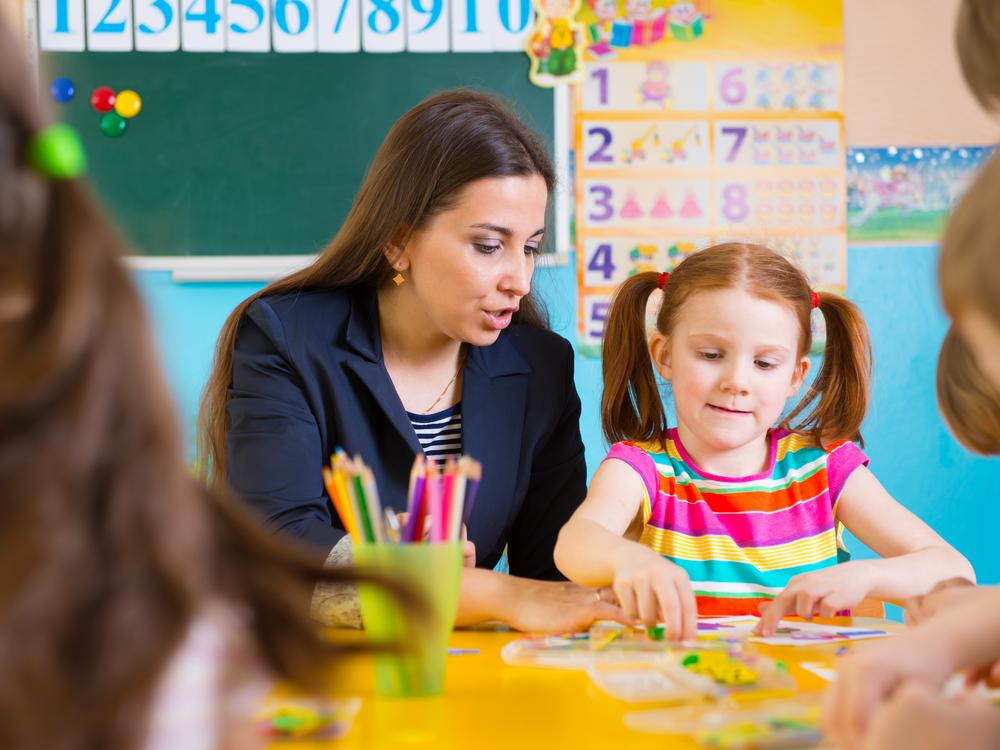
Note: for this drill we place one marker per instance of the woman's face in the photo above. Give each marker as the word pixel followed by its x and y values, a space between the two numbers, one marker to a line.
pixel 471 265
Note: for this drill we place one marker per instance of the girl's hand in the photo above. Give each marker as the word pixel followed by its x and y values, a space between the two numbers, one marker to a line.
pixel 823 593
pixel 871 676
pixel 560 607
pixel 946 594
pixel 652 590
pixel 917 718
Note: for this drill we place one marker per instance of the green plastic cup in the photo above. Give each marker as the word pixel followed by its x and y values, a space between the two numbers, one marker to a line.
pixel 433 571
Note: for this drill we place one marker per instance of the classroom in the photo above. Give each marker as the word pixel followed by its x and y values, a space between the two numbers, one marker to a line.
pixel 714 343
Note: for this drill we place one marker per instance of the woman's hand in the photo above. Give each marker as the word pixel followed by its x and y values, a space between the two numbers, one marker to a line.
pixel 559 607
pixel 871 676
pixel 823 593
pixel 652 590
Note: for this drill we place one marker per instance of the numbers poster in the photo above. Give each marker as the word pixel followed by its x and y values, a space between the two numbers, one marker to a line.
pixel 701 122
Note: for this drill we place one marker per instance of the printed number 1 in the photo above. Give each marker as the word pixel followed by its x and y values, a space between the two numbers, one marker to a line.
pixel 601 74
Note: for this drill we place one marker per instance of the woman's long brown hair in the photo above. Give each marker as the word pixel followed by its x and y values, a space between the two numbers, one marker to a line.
pixel 835 404
pixel 108 547
pixel 431 153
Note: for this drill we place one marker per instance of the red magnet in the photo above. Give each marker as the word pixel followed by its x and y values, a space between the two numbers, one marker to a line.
pixel 103 99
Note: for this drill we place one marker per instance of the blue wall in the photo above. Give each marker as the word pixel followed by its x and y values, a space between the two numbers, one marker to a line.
pixel 912 452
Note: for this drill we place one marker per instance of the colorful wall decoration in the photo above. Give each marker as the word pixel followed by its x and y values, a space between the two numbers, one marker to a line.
pixel 897 195
pixel 698 122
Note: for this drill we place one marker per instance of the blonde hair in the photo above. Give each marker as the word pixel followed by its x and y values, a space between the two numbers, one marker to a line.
pixel 977 39
pixel 969 402
pixel 631 408
pixel 969 264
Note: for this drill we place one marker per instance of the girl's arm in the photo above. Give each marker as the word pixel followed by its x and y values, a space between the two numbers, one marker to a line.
pixel 613 500
pixel 592 551
pixel 914 558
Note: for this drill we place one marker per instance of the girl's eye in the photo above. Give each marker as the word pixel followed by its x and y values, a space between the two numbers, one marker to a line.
pixel 709 355
pixel 531 249
pixel 764 365
pixel 485 249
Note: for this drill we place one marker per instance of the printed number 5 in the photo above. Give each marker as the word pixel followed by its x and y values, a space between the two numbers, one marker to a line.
pixel 599 316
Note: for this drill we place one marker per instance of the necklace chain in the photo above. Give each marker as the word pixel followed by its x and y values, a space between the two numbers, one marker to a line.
pixel 461 364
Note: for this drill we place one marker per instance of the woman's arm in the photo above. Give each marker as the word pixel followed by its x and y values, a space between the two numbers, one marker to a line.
pixel 273 444
pixel 556 488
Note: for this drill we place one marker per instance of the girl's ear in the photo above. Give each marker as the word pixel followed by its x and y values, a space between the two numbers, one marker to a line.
pixel 798 376
pixel 659 352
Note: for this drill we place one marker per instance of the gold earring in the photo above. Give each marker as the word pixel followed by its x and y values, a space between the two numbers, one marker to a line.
pixel 398 279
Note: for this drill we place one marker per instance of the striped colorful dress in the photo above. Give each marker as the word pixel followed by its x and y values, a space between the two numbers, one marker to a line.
pixel 741 539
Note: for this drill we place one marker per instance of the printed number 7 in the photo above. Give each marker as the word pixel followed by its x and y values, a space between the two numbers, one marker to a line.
pixel 738 135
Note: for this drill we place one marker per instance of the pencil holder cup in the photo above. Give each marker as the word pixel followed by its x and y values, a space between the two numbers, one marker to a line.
pixel 433 571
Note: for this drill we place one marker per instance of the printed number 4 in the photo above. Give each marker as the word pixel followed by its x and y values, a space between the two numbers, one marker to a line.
pixel 211 16
pixel 601 261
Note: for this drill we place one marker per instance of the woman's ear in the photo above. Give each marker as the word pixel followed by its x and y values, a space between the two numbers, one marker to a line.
pixel 397 257
pixel 659 352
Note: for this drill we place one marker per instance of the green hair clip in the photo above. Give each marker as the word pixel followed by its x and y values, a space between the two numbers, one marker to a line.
pixel 57 153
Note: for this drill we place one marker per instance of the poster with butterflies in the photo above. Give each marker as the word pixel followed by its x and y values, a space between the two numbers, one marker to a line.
pixel 702 122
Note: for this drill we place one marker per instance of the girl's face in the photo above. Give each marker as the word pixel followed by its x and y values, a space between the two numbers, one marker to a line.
pixel 470 266
pixel 983 337
pixel 733 360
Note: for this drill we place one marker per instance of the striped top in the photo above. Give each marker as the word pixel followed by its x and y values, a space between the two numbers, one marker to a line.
pixel 741 539
pixel 440 434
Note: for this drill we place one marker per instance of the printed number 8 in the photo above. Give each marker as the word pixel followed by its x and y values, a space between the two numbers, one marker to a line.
pixel 387 9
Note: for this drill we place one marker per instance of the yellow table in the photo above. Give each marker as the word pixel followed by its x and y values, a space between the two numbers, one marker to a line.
pixel 489 704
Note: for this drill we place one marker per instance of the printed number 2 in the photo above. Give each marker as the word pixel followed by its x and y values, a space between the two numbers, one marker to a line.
pixel 602 261
pixel 104 27
pixel 600 154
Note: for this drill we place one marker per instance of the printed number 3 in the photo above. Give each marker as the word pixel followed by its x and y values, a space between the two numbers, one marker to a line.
pixel 602 202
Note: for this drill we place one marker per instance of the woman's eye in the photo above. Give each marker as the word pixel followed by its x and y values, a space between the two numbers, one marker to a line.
pixel 531 249
pixel 485 249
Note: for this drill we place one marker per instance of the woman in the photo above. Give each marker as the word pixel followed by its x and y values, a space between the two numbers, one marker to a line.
pixel 418 317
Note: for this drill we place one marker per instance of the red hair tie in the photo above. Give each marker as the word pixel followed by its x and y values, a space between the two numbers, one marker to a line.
pixel 814 297
pixel 662 282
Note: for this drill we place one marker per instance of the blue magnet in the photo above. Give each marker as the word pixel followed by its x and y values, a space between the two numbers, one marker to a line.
pixel 62 90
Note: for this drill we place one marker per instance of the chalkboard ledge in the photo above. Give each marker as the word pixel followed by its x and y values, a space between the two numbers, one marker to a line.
pixel 252 267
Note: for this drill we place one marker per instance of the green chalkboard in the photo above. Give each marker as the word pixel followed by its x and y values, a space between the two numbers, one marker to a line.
pixel 259 154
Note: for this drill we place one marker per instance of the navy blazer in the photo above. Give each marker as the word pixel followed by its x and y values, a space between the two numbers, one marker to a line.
pixel 308 377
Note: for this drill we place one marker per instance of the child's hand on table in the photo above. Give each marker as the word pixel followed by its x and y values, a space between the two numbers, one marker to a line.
pixel 823 594
pixel 652 590
pixel 916 717
pixel 946 594
pixel 870 677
